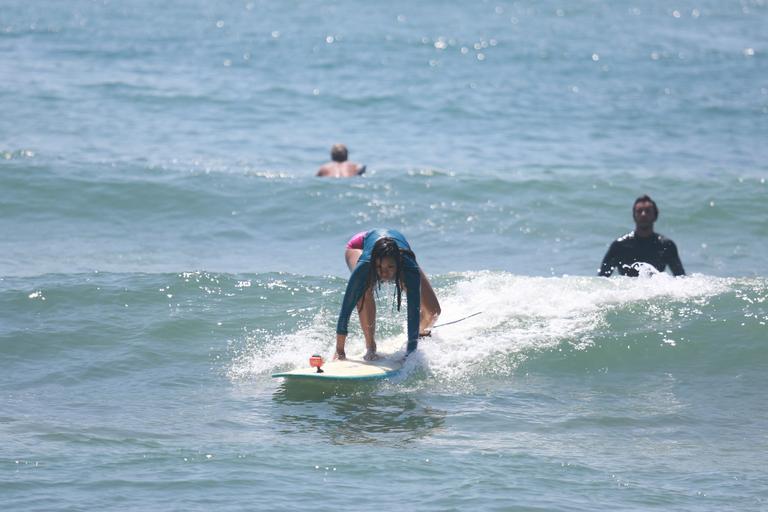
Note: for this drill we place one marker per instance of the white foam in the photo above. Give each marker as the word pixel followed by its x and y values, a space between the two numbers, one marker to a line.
pixel 265 353
pixel 522 315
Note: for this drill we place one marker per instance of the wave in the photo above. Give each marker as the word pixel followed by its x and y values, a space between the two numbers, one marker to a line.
pixel 557 324
pixel 247 326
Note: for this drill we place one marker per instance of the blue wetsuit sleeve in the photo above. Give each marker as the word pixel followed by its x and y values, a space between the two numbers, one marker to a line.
pixel 413 286
pixel 355 289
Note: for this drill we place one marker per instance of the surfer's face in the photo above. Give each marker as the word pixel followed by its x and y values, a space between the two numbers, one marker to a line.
pixel 645 215
pixel 386 268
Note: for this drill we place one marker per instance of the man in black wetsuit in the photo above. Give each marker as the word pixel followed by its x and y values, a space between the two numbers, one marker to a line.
pixel 642 245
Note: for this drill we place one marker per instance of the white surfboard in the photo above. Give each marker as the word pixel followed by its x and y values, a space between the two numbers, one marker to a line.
pixel 351 369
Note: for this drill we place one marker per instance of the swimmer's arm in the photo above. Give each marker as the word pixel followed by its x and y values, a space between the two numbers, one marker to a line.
pixel 609 261
pixel 675 265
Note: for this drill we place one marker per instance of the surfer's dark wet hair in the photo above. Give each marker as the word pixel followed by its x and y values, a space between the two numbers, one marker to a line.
pixel 386 247
pixel 339 153
pixel 645 199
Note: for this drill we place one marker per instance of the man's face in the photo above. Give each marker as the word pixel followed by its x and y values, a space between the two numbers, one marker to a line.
pixel 644 214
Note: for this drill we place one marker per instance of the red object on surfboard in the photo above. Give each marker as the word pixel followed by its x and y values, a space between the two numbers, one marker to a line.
pixel 316 361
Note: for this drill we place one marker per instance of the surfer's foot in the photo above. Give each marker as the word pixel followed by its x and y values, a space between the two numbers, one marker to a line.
pixel 425 334
pixel 371 356
pixel 340 356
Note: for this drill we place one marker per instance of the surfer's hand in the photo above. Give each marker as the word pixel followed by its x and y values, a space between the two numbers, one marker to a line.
pixel 371 356
pixel 341 356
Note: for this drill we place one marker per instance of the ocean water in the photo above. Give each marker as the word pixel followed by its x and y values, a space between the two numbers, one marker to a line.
pixel 165 247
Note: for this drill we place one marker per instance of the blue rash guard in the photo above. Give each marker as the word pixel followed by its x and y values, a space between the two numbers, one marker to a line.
pixel 357 281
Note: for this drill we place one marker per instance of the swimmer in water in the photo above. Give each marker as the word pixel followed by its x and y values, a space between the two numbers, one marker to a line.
pixel 339 166
pixel 642 245
pixel 374 257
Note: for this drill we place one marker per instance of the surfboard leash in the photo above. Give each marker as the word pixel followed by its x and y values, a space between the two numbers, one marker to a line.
pixel 456 321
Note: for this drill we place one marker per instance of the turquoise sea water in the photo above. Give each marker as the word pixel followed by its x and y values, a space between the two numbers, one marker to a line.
pixel 164 247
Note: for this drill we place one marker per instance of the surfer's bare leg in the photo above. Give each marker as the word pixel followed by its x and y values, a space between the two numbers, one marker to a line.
pixel 429 309
pixel 366 309
pixel 351 256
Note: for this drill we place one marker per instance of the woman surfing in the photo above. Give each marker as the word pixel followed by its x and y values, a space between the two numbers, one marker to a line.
pixel 374 257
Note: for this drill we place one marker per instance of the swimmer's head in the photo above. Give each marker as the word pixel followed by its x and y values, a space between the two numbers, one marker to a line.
pixel 644 211
pixel 339 153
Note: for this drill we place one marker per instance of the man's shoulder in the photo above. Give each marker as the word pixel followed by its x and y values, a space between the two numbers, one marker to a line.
pixel 352 169
pixel 664 240
pixel 336 169
pixel 625 238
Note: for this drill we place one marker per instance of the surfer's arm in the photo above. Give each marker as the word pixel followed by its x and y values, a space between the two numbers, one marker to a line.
pixel 675 265
pixel 355 288
pixel 341 340
pixel 609 261
pixel 413 290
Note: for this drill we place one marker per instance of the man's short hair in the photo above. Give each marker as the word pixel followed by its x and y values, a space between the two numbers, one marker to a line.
pixel 645 199
pixel 339 153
